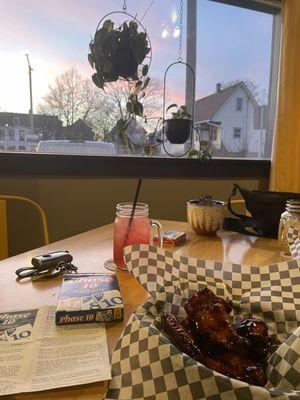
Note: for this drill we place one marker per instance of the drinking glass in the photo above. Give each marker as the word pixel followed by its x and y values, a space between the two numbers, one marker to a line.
pixel 131 228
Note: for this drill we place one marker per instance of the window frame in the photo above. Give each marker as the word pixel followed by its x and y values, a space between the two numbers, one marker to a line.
pixel 53 165
pixel 235 133
pixel 239 104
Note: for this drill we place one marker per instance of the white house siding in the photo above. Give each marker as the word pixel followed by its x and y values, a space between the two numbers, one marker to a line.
pixel 256 143
pixel 7 144
pixel 230 119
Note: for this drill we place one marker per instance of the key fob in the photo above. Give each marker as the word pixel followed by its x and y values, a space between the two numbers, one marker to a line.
pixel 51 260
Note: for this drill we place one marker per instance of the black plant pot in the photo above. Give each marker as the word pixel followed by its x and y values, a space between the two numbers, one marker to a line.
pixel 178 130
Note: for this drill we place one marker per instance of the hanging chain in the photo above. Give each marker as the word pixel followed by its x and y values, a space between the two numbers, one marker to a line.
pixel 124 6
pixel 180 33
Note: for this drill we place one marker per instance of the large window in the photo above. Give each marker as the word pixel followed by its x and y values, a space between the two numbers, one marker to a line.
pixel 232 62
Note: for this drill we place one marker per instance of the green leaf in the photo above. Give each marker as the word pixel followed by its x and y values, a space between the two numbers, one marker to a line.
pixel 149 150
pixel 183 109
pixel 108 25
pixel 121 125
pixel 138 109
pixel 145 69
pixel 193 153
pixel 97 81
pixel 171 106
pixel 146 82
pixel 133 97
pixel 91 60
pixel 129 107
pixel 133 26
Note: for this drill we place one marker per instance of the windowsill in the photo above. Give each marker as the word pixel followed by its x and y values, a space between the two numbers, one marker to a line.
pixel 82 166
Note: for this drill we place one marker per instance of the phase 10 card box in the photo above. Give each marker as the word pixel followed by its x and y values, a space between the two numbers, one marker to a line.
pixel 87 298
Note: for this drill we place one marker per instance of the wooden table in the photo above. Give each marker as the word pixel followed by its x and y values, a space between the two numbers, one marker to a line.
pixel 90 250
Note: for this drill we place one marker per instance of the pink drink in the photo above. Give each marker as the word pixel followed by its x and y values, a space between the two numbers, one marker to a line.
pixel 139 232
pixel 131 229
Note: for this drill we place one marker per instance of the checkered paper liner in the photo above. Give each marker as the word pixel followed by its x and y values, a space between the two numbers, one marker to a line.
pixel 293 239
pixel 146 365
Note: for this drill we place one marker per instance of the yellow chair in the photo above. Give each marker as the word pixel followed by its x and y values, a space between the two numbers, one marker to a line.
pixel 3 221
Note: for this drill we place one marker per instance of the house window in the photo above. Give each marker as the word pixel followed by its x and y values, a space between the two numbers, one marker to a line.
pixel 11 148
pixel 237 133
pixel 213 135
pixel 11 134
pixel 22 148
pixel 16 121
pixel 22 136
pixel 239 104
pixel 2 134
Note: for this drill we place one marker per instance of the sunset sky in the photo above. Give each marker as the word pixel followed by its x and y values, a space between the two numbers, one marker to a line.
pixel 232 43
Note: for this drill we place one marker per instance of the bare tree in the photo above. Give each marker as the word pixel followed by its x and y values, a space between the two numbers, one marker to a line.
pixel 71 98
pixel 117 94
pixel 260 94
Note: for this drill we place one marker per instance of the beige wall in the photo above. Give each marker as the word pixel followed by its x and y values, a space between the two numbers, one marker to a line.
pixel 76 205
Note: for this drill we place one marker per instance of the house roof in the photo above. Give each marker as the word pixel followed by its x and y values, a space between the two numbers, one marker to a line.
pixel 40 121
pixel 206 107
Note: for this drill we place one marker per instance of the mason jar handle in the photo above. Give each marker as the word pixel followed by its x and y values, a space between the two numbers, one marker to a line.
pixel 159 231
pixel 280 232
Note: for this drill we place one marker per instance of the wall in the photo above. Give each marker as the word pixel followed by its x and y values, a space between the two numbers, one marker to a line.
pixel 231 118
pixel 77 205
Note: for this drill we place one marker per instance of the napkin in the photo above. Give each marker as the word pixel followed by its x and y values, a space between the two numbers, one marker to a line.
pixel 146 365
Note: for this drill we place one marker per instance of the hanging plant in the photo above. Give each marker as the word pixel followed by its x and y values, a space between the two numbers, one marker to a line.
pixel 122 52
pixel 178 129
pixel 119 53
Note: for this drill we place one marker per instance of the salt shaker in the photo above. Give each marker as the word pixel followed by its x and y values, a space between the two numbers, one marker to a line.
pixel 290 217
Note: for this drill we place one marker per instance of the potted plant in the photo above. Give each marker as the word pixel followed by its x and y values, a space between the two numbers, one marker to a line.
pixel 118 53
pixel 179 127
pixel 206 215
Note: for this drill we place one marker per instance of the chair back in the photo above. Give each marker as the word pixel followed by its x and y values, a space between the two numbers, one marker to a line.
pixel 3 221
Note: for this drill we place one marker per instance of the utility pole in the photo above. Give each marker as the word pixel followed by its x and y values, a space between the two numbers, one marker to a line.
pixel 191 51
pixel 30 69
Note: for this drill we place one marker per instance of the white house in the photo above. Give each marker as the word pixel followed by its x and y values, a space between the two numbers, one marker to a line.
pixel 232 121
pixel 15 132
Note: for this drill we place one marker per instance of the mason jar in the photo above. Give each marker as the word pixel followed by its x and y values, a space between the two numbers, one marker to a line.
pixel 132 228
pixel 290 217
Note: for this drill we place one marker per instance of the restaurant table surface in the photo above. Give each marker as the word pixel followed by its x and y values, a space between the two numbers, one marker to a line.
pixel 90 250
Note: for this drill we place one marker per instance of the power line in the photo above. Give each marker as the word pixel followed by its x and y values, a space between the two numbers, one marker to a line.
pixel 146 12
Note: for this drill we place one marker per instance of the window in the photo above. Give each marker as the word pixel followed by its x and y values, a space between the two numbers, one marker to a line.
pixel 16 121
pixel 213 136
pixel 22 148
pixel 11 134
pixel 22 136
pixel 11 148
pixel 239 103
pixel 2 134
pixel 233 75
pixel 233 64
pixel 237 133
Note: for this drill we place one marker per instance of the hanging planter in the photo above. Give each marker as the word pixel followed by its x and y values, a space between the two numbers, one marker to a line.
pixel 122 52
pixel 179 128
